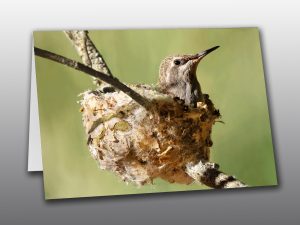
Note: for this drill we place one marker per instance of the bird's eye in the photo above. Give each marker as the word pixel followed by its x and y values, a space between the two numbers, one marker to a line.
pixel 177 62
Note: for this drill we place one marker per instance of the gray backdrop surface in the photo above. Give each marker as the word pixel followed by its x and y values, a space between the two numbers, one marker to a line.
pixel 21 193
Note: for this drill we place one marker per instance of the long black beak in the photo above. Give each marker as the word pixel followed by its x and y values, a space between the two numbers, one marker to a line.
pixel 200 55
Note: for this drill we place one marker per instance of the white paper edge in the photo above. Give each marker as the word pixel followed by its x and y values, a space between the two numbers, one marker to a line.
pixel 34 147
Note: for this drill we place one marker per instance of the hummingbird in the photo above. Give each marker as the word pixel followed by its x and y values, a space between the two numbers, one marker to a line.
pixel 177 77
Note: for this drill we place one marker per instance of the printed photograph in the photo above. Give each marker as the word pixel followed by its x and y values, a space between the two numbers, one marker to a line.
pixel 152 110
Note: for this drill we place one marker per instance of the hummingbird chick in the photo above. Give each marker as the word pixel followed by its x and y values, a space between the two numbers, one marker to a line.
pixel 177 77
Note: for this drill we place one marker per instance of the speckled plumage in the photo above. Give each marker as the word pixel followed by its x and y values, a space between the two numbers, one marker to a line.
pixel 177 77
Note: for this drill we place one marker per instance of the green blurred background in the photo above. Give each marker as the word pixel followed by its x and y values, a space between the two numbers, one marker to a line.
pixel 232 76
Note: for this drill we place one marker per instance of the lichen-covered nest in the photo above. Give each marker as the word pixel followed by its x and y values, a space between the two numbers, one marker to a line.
pixel 140 145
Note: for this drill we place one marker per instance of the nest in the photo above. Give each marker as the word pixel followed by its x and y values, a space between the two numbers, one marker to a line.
pixel 140 145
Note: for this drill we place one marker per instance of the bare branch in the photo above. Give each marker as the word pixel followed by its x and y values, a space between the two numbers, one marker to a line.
pixel 208 173
pixel 104 77
pixel 87 51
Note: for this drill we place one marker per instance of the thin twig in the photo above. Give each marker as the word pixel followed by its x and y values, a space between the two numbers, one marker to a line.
pixel 88 70
pixel 208 173
pixel 87 50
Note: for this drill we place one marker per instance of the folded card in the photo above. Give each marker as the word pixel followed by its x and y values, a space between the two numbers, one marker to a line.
pixel 144 111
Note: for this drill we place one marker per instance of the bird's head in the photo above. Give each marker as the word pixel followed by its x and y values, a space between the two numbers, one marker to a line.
pixel 180 68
